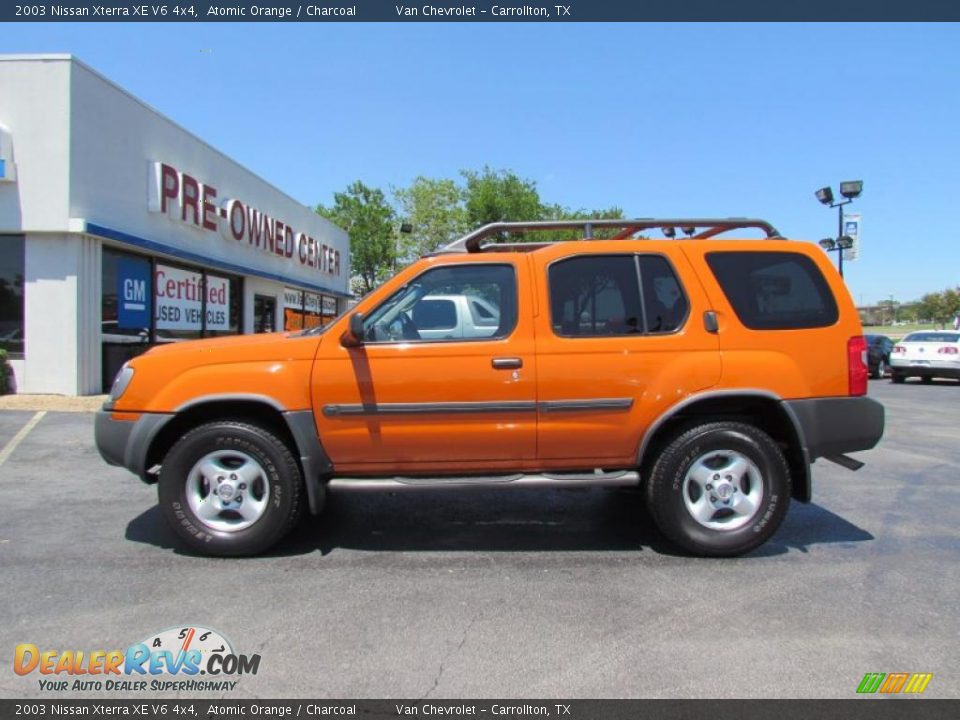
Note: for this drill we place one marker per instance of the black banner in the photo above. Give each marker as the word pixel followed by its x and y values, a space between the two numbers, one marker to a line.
pixel 859 709
pixel 497 11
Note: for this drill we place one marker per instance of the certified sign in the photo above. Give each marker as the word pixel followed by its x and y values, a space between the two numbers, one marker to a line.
pixel 179 300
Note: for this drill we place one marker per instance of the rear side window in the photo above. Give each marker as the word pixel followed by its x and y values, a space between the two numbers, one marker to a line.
pixel 602 295
pixel 774 290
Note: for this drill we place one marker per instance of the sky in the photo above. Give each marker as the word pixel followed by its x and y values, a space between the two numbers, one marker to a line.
pixel 661 120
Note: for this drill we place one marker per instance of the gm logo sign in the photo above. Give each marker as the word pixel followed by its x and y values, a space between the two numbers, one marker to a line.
pixel 133 293
pixel 910 683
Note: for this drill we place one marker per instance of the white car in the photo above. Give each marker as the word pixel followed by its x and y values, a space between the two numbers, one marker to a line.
pixel 926 354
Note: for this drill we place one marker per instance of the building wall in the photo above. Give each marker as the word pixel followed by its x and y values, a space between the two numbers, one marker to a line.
pixel 35 108
pixel 62 294
pixel 84 151
pixel 117 138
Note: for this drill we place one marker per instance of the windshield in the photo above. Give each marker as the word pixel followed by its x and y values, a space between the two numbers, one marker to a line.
pixel 932 337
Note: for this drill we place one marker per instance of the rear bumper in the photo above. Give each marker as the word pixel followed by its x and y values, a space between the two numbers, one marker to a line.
pixel 838 425
pixel 126 442
pixel 932 368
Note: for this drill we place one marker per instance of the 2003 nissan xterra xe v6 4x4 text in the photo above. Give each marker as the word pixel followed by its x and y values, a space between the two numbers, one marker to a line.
pixel 710 372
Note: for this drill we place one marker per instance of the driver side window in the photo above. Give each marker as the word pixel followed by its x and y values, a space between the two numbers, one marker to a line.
pixel 461 302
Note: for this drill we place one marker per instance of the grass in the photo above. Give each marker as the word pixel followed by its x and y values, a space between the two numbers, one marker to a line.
pixel 896 332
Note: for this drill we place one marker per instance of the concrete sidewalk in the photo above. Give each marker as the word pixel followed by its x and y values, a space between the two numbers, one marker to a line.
pixel 54 403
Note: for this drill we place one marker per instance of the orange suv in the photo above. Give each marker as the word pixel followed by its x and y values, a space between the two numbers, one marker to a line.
pixel 710 372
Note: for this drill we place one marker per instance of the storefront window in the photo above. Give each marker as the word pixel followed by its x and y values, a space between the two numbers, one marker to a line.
pixel 126 296
pixel 264 313
pixel 11 294
pixel 182 304
pixel 307 310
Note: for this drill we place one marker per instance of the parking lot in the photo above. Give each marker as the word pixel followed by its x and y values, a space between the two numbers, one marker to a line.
pixel 506 594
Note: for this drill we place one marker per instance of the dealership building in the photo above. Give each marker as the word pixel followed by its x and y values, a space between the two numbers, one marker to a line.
pixel 120 230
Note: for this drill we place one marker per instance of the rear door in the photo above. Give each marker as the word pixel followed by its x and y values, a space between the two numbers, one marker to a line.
pixel 620 337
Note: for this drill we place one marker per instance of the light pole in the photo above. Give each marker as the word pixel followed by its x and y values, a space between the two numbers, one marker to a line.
pixel 851 190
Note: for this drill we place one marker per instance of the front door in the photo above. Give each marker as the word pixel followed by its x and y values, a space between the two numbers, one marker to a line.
pixel 445 380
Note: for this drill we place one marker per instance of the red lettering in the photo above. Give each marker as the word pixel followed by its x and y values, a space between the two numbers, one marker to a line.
pixel 288 242
pixel 269 229
pixel 279 246
pixel 209 209
pixel 190 197
pixel 238 219
pixel 169 188
pixel 336 262
pixel 302 248
pixel 254 227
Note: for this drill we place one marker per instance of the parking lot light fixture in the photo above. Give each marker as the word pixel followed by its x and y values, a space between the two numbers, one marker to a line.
pixel 825 195
pixel 850 189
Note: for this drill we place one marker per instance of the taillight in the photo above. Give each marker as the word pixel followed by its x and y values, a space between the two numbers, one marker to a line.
pixel 947 351
pixel 857 365
pixel 899 349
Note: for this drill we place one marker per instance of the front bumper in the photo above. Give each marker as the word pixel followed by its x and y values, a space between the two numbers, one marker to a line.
pixel 837 425
pixel 126 442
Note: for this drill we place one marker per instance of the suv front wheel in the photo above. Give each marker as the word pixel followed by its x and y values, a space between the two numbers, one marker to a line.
pixel 719 489
pixel 231 488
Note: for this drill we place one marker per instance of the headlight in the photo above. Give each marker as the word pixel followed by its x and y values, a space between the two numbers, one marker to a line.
pixel 120 383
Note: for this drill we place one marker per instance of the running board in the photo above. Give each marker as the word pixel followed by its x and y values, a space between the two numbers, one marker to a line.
pixel 621 478
pixel 844 461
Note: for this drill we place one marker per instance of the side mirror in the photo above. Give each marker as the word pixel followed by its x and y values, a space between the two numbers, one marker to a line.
pixel 353 337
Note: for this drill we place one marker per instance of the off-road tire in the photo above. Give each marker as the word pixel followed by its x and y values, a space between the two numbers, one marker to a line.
pixel 286 498
pixel 665 488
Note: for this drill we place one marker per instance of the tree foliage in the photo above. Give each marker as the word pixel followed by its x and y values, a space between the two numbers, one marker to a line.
pixel 499 196
pixel 436 211
pixel 439 210
pixel 371 223
pixel 941 307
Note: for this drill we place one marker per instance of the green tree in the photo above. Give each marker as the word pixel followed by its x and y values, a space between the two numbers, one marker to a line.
pixel 435 209
pixel 498 196
pixel 371 223
pixel 941 307
pixel 558 212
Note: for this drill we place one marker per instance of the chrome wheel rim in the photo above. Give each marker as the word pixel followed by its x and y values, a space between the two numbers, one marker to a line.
pixel 227 490
pixel 722 490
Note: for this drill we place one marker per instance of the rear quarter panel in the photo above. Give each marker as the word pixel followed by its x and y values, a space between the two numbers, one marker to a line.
pixel 792 364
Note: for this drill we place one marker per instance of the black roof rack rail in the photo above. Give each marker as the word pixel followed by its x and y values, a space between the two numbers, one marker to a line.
pixel 473 242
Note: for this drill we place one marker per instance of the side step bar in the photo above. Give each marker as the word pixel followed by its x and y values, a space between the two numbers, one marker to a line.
pixel 620 478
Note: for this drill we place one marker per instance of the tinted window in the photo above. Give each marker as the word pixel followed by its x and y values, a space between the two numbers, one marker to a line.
pixel 595 295
pixel 932 337
pixel 435 314
pixel 11 294
pixel 410 315
pixel 663 301
pixel 774 290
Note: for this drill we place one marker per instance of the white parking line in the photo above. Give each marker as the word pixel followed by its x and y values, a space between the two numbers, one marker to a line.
pixel 18 438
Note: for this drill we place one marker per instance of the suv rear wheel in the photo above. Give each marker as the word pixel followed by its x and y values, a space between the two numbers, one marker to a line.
pixel 719 489
pixel 230 488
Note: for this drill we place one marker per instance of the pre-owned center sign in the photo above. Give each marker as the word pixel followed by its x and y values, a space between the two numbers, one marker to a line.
pixel 185 199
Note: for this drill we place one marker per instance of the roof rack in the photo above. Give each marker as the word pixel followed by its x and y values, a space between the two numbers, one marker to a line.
pixel 473 241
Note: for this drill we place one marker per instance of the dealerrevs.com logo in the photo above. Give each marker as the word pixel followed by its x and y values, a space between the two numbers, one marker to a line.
pixel 181 659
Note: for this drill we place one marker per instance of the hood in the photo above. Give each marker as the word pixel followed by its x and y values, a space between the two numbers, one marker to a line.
pixel 241 348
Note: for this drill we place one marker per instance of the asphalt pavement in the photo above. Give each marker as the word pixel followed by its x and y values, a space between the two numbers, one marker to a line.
pixel 511 593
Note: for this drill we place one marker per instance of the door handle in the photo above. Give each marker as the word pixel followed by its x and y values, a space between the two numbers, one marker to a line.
pixel 506 363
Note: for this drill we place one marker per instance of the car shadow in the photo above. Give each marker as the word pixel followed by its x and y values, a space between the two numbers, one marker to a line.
pixel 500 521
